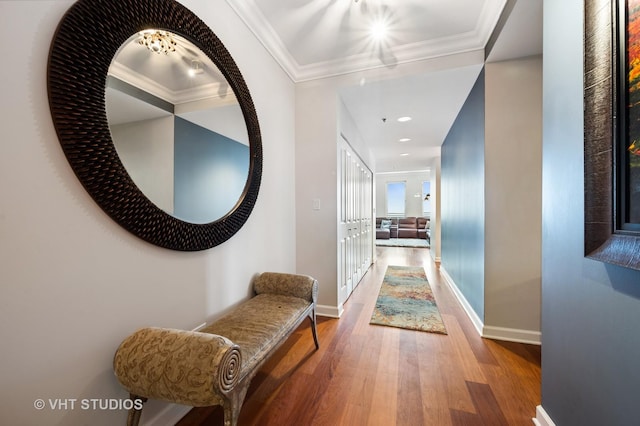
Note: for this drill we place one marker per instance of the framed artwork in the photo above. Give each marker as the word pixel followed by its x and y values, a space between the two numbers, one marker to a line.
pixel 612 131
pixel 630 148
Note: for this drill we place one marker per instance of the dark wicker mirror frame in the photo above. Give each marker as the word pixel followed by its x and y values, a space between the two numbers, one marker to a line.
pixel 602 240
pixel 87 38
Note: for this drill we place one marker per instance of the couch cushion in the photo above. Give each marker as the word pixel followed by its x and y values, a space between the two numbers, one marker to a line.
pixel 408 222
pixel 383 234
pixel 423 223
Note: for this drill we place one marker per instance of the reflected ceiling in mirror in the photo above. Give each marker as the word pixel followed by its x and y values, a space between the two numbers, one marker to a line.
pixel 177 126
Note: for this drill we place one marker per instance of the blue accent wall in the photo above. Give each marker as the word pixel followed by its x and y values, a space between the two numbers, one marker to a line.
pixel 462 210
pixel 210 172
pixel 590 310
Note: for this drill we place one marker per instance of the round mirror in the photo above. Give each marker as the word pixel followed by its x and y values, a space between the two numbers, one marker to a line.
pixel 177 126
pixel 86 59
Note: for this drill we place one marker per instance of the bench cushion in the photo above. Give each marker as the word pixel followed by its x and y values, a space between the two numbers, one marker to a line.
pixel 258 325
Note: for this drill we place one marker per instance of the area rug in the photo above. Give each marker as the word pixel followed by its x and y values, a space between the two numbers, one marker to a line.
pixel 406 301
pixel 403 242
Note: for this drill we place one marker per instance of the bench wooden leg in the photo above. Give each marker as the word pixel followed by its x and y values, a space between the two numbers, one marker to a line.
pixel 134 413
pixel 312 317
pixel 233 403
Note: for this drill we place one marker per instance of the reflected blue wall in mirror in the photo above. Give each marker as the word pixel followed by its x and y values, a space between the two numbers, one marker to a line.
pixel 206 163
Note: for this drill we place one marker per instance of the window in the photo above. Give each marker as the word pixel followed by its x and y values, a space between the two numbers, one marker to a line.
pixel 426 198
pixel 396 194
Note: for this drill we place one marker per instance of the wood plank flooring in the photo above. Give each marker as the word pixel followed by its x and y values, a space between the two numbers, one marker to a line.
pixel 374 375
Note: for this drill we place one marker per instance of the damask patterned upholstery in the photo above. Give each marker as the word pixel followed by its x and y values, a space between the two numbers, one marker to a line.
pixel 179 366
pixel 258 325
pixel 215 366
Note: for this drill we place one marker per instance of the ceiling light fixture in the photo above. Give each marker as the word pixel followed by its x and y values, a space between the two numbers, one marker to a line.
pixel 379 30
pixel 158 41
pixel 405 154
pixel 404 140
pixel 404 119
pixel 195 69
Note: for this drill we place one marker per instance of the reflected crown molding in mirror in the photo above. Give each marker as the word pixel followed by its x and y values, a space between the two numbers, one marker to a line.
pixel 77 76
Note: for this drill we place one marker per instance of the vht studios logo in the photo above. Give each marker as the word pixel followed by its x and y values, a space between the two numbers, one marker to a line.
pixel 87 404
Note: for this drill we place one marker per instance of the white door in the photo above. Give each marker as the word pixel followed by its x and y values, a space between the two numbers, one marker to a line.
pixel 355 250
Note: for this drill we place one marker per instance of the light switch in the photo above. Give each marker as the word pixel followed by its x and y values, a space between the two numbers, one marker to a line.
pixel 316 203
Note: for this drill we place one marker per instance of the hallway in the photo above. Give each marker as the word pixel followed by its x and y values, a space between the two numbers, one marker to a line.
pixel 374 375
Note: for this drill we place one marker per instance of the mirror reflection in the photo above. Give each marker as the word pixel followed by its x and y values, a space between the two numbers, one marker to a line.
pixel 177 126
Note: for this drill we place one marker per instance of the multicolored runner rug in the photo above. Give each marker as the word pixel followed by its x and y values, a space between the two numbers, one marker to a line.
pixel 406 301
pixel 404 242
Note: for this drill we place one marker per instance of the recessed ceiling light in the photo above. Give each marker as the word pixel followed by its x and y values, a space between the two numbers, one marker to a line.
pixel 404 140
pixel 404 154
pixel 403 119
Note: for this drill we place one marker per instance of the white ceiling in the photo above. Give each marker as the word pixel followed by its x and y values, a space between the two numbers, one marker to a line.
pixel 314 39
pixel 204 98
pixel 432 100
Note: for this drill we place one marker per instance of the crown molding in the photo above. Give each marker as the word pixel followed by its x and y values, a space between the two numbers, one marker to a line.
pixel 470 41
pixel 266 35
pixel 202 92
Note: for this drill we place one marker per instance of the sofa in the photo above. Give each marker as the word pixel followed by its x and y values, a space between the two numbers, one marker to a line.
pixel 386 228
pixel 407 227
pixel 424 228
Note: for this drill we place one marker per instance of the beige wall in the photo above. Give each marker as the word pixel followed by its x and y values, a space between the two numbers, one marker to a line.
pixel 436 240
pixel 513 196
pixel 74 283
pixel 316 176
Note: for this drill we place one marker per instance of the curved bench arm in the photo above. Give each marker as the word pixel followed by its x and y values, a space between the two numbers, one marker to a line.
pixel 302 286
pixel 184 367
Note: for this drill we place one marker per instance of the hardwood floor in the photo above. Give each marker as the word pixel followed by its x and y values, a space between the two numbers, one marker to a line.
pixel 374 375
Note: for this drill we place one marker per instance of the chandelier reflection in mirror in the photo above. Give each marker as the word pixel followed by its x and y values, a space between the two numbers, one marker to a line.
pixel 158 41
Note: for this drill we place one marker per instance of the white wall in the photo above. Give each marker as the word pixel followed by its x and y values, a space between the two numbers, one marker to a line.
pixel 413 185
pixel 146 151
pixel 73 282
pixel 513 196
pixel 225 120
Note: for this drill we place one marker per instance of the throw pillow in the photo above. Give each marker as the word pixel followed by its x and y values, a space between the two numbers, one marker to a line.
pixel 385 224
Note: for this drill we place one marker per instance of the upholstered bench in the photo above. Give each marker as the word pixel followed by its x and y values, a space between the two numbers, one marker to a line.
pixel 215 365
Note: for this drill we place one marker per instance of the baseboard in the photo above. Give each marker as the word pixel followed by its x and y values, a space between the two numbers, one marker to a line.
pixel 171 415
pixel 490 332
pixel 512 335
pixel 542 418
pixel 329 311
pixel 475 319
